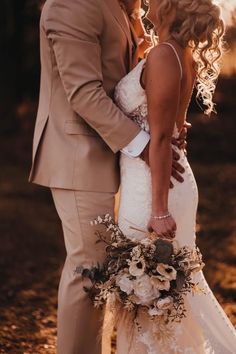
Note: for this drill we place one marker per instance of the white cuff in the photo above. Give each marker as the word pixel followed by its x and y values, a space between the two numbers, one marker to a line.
pixel 137 145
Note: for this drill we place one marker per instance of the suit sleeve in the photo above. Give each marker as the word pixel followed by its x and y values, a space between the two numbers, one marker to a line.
pixel 74 28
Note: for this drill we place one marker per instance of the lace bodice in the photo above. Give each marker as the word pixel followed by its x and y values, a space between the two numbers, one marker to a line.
pixel 132 100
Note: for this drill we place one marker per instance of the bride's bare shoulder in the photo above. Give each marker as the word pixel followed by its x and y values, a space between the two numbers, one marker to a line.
pixel 163 60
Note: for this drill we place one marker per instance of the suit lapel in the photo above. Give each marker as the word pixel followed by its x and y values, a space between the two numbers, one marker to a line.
pixel 135 51
pixel 119 16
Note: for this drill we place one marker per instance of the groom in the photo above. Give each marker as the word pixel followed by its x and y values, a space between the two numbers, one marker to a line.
pixel 87 46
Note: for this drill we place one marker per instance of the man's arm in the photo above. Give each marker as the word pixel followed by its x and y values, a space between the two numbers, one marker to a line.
pixel 74 29
pixel 136 147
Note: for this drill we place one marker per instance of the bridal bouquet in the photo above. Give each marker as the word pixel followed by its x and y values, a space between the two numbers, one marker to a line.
pixel 149 274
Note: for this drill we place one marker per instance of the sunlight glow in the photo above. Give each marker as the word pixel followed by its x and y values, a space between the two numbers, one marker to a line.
pixel 228 6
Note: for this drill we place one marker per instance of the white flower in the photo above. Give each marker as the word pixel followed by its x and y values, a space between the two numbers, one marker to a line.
pixel 136 252
pixel 137 267
pixel 160 282
pixel 124 283
pixel 164 303
pixel 167 271
pixel 108 217
pixel 115 244
pixel 99 219
pixel 110 227
pixel 146 241
pixel 155 312
pixel 144 290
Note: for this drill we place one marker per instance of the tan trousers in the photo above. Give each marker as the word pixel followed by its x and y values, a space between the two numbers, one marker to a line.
pixel 79 323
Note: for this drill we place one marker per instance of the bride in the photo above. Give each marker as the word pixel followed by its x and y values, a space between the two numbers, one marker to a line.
pixel 156 94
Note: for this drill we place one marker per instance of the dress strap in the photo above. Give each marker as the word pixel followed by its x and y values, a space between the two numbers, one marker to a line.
pixel 177 56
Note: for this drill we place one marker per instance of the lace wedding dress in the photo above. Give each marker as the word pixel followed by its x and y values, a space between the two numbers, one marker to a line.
pixel 206 328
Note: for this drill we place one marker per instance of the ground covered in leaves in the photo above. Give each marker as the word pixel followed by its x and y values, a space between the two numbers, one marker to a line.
pixel 32 251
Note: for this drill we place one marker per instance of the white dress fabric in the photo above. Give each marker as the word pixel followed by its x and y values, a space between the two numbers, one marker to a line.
pixel 206 328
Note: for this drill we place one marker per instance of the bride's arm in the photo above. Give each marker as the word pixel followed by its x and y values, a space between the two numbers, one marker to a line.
pixel 162 82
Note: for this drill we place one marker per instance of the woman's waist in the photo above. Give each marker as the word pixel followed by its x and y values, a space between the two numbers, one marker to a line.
pixel 135 165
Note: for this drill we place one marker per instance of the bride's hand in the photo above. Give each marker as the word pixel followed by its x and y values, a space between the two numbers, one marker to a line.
pixel 164 228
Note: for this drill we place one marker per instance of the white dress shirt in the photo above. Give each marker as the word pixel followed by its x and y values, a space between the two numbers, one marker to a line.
pixel 137 145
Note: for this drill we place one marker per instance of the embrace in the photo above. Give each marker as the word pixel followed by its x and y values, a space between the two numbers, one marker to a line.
pixel 112 115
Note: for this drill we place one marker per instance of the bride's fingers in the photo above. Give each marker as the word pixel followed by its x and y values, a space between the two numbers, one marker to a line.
pixel 162 235
pixel 171 235
pixel 166 233
pixel 149 227
pixel 164 229
pixel 171 226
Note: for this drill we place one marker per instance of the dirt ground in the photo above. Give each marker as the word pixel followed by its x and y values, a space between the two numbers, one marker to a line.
pixel 32 250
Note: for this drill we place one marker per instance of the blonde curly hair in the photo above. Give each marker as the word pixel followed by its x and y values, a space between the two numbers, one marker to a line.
pixel 198 24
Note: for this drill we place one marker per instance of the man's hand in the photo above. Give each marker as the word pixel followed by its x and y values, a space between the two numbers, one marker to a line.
pixel 177 168
pixel 181 143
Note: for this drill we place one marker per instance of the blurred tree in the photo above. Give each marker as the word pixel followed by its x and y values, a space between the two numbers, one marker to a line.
pixel 19 59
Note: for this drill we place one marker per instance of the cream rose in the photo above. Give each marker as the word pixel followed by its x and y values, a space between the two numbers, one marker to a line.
pixel 144 290
pixel 125 283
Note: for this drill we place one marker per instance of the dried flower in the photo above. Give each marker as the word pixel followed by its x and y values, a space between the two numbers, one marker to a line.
pixel 155 312
pixel 137 267
pixel 136 252
pixel 125 283
pixel 160 282
pixel 141 273
pixel 144 290
pixel 164 303
pixel 167 271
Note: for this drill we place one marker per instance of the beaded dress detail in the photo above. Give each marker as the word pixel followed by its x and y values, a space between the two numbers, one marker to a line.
pixel 206 328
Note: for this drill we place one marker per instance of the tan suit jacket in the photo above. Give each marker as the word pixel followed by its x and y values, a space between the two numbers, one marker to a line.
pixel 86 48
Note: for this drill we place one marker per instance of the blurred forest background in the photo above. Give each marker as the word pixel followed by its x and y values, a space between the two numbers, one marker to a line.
pixel 31 242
